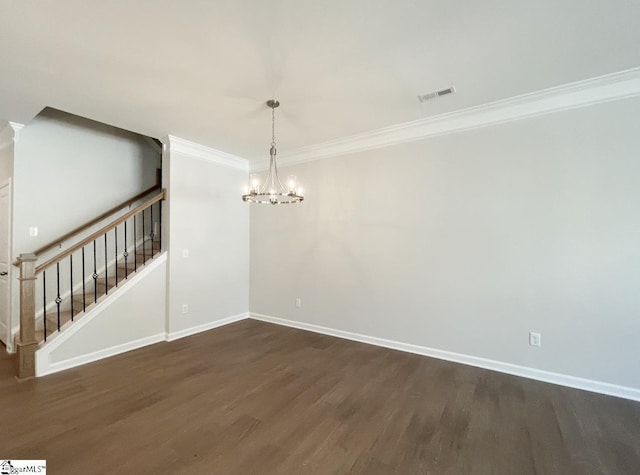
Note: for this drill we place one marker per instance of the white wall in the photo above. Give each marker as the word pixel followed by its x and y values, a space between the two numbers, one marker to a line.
pixel 466 242
pixel 207 217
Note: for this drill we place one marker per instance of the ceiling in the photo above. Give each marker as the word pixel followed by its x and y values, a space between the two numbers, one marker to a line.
pixel 201 70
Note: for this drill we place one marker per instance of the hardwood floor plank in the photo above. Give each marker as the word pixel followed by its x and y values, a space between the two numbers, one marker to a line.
pixel 252 397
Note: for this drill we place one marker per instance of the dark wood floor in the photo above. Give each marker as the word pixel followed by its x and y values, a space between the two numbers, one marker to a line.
pixel 255 398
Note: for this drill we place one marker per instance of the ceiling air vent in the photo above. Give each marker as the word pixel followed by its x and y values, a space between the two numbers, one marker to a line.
pixel 434 94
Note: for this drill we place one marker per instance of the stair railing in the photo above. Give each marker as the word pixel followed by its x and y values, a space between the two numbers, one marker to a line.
pixel 140 235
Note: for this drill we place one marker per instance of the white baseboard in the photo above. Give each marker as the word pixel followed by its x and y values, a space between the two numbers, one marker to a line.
pixel 206 326
pixel 502 367
pixel 9 346
pixel 45 367
pixel 99 355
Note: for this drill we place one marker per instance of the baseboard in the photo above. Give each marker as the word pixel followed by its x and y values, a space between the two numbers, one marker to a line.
pixel 502 367
pixel 206 326
pixel 45 367
pixel 100 354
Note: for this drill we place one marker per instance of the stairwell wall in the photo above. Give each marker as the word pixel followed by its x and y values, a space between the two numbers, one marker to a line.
pixel 67 170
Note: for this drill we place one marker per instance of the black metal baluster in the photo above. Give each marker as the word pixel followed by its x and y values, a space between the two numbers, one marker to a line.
pixel 135 246
pixel 115 232
pixel 95 275
pixel 106 276
pixel 144 253
pixel 44 302
pixel 126 253
pixel 84 293
pixel 152 234
pixel 58 299
pixel 159 225
pixel 71 282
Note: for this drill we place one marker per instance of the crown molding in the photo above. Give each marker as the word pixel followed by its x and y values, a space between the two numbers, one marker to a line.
pixel 610 87
pixel 9 133
pixel 202 152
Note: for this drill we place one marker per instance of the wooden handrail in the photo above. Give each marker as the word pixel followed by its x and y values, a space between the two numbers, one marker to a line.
pixel 94 221
pixel 101 232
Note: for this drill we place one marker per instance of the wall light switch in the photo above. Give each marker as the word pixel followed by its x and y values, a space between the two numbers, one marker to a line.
pixel 185 308
pixel 298 303
pixel 33 231
pixel 185 253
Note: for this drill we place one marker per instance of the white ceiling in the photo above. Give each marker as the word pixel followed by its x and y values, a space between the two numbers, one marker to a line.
pixel 202 69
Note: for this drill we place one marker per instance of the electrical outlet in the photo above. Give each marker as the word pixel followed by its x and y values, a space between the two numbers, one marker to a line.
pixel 535 339
pixel 298 302
pixel 33 231
pixel 185 253
pixel 185 308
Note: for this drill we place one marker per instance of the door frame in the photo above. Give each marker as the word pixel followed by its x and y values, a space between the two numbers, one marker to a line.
pixel 8 338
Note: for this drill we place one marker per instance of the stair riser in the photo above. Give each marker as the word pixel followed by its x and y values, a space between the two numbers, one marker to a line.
pixel 52 321
pixel 132 267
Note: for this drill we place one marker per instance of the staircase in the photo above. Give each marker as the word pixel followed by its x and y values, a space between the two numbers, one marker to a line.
pixel 59 291
pixel 81 302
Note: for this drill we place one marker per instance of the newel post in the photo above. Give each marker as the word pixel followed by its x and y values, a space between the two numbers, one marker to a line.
pixel 27 343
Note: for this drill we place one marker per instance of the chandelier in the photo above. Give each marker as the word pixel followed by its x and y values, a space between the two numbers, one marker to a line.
pixel 272 191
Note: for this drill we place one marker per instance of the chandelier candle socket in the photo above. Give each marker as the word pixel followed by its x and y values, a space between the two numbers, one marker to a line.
pixel 272 191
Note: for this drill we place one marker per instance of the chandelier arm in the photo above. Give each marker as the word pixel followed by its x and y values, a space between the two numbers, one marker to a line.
pixel 263 188
pixel 273 169
pixel 277 177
